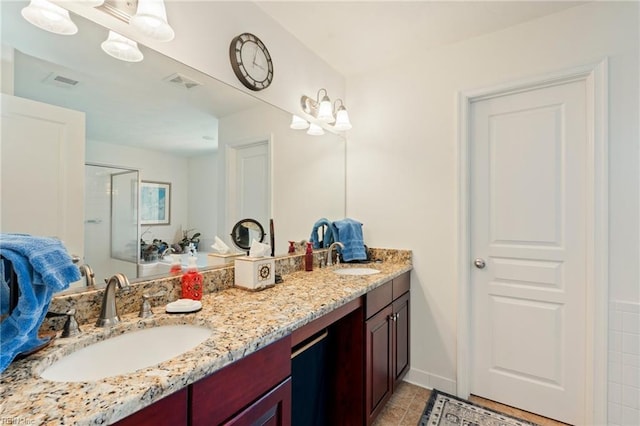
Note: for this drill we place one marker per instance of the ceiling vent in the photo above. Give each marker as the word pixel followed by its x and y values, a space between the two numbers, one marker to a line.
pixel 182 81
pixel 58 80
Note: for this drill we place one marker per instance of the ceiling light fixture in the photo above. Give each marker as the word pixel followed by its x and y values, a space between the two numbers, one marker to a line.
pixel 122 48
pixel 321 109
pixel 151 20
pixel 49 17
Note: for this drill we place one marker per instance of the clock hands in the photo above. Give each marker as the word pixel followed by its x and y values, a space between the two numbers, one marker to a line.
pixel 255 64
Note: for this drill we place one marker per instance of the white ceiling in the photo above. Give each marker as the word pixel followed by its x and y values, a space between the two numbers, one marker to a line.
pixel 356 36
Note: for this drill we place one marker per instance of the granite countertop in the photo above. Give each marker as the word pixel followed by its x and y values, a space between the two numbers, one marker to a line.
pixel 242 322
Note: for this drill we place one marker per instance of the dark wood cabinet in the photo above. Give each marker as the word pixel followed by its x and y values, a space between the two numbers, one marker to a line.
pixel 386 342
pixel 220 397
pixel 255 390
pixel 273 409
pixel 378 366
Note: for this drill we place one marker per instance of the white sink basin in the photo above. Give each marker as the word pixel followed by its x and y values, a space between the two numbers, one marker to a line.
pixel 126 353
pixel 356 271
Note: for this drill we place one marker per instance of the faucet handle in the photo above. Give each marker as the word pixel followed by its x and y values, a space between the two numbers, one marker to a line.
pixel 71 327
pixel 145 308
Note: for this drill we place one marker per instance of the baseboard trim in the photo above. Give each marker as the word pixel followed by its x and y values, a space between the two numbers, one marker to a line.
pixel 430 381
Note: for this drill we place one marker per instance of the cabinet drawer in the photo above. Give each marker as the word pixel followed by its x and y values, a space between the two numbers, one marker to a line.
pixel 379 298
pixel 217 397
pixel 401 285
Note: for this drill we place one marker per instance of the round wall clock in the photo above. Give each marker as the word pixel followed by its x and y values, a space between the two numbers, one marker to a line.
pixel 251 61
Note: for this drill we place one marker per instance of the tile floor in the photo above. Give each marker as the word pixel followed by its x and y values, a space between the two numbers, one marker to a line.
pixel 406 405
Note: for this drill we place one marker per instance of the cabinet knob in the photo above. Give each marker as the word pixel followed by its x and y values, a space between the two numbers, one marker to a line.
pixel 479 263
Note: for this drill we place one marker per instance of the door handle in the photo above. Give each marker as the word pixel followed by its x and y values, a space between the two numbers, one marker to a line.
pixel 479 263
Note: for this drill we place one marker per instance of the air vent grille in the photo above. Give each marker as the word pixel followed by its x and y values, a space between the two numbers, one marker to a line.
pixel 182 81
pixel 61 81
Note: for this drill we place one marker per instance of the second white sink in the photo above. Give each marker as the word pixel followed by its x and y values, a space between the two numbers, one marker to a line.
pixel 356 271
pixel 126 353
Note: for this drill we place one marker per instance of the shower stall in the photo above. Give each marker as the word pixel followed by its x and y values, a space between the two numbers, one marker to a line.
pixel 111 226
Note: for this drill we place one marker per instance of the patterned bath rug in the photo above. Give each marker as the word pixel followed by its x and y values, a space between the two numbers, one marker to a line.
pixel 447 410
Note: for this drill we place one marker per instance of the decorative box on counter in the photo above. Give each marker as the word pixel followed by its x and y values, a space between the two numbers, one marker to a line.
pixel 217 259
pixel 255 273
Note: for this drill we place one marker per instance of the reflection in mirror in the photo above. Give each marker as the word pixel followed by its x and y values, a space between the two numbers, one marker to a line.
pixel 173 124
pixel 245 231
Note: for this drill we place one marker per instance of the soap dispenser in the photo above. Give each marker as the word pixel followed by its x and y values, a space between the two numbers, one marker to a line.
pixel 308 258
pixel 176 265
pixel 192 281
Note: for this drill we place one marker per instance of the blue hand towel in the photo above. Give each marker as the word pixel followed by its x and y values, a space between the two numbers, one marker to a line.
pixel 349 233
pixel 328 234
pixel 43 267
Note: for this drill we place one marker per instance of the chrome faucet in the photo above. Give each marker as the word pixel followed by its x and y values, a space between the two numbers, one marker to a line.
pixel 109 311
pixel 329 258
pixel 87 273
pixel 166 251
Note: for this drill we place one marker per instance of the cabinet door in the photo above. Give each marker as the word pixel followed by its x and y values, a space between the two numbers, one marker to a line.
pixel 401 338
pixel 169 411
pixel 378 362
pixel 273 409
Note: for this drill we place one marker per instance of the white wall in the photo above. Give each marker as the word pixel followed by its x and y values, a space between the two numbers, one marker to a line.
pixel 153 166
pixel 308 172
pixel 204 30
pixel 204 198
pixel 401 155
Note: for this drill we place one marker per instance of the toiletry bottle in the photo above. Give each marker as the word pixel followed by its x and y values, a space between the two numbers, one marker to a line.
pixel 176 265
pixel 308 258
pixel 292 247
pixel 192 281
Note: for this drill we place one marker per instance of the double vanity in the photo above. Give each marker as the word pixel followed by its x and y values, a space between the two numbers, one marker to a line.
pixel 241 372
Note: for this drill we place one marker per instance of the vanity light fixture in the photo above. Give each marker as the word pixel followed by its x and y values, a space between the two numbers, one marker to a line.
pixel 122 48
pixel 151 20
pixel 315 130
pixel 321 109
pixel 298 123
pixel 49 17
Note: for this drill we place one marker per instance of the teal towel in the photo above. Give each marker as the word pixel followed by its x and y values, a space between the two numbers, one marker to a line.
pixel 349 232
pixel 43 267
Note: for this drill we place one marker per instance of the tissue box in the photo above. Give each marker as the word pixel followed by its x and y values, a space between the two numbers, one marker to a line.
pixel 216 259
pixel 255 273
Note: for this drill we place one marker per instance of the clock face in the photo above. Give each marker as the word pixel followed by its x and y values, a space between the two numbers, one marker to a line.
pixel 251 61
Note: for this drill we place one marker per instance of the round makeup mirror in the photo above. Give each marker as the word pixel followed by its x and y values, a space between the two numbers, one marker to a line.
pixel 246 231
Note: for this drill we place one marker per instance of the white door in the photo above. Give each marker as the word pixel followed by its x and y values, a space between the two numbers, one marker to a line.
pixel 528 225
pixel 43 171
pixel 249 186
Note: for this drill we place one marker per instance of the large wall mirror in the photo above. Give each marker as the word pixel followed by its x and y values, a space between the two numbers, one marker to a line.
pixel 208 153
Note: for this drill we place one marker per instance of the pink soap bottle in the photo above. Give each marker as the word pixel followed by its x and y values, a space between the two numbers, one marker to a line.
pixel 192 281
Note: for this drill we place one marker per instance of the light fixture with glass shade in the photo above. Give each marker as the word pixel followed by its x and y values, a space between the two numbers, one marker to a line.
pixel 298 123
pixel 151 20
pixel 332 118
pixel 49 17
pixel 315 130
pixel 122 48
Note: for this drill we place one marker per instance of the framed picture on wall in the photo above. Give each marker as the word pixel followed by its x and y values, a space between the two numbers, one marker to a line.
pixel 155 203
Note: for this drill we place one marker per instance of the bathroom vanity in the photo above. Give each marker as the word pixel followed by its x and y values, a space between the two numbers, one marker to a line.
pixel 243 372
